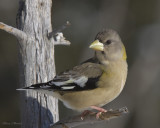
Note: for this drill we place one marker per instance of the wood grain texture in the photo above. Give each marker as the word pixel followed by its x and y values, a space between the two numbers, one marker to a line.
pixel 36 62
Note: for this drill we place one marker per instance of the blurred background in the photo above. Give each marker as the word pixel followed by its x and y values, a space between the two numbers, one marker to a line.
pixel 137 22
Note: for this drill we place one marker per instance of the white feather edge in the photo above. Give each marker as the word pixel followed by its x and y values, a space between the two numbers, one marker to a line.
pixel 79 81
pixel 68 87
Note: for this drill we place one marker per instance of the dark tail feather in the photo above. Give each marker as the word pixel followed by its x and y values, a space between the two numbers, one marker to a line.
pixel 34 86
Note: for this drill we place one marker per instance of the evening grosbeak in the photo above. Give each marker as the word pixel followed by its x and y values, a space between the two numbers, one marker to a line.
pixel 95 82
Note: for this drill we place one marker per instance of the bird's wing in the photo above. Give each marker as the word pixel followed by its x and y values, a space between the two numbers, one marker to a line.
pixel 81 77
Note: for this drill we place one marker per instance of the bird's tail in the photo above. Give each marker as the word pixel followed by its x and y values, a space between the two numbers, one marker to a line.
pixel 35 87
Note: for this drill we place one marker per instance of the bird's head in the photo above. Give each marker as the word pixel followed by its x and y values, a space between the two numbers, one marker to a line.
pixel 108 46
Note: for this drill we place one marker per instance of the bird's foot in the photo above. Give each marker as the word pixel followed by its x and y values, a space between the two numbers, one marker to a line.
pixel 100 111
pixel 85 113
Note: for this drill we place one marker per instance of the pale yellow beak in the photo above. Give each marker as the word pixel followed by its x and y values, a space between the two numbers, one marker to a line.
pixel 96 45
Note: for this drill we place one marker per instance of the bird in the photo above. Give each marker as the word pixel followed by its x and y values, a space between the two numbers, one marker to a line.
pixel 94 82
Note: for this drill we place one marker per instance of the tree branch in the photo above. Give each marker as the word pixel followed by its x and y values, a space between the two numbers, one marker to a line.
pixel 57 34
pixel 14 31
pixel 90 118
pixel 59 39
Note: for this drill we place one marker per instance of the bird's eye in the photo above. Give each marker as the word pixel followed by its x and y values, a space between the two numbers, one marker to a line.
pixel 108 42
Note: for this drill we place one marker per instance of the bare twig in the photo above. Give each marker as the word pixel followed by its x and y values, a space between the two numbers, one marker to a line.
pixel 89 118
pixel 14 31
pixel 60 39
pixel 57 34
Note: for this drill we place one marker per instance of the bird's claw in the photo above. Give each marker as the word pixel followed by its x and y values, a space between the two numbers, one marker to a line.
pixel 98 115
pixel 85 113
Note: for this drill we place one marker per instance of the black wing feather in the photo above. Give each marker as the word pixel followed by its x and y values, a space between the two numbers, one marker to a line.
pixel 88 70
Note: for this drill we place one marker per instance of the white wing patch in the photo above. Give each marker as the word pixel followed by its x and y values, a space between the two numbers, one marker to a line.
pixel 67 87
pixel 63 83
pixel 80 81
